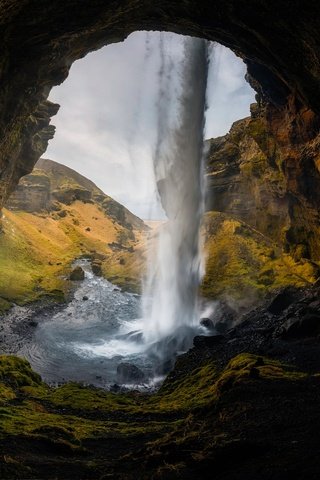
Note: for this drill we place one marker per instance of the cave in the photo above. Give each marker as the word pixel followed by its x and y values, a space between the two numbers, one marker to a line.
pixel 40 44
pixel 240 404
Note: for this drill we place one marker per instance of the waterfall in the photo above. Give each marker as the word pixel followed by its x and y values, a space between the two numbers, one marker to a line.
pixel 170 294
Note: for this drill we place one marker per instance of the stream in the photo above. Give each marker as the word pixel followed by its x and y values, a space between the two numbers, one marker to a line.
pixel 87 339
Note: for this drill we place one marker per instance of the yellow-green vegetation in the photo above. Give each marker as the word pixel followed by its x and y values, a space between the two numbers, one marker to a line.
pixel 199 388
pixel 55 216
pixel 244 264
pixel 36 250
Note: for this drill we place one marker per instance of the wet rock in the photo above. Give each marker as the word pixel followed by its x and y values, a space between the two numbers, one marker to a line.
pixel 129 373
pixel 224 318
pixel 207 323
pixel 77 274
pixel 282 301
pixel 306 326
pixel 96 266
pixel 165 367
pixel 201 341
pixel 115 388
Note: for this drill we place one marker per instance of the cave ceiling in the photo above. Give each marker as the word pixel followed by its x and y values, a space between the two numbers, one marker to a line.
pixel 278 40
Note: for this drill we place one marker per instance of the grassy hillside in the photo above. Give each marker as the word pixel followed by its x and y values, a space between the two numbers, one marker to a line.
pixel 38 247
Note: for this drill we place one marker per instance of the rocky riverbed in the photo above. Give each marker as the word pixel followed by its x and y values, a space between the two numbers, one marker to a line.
pixel 85 339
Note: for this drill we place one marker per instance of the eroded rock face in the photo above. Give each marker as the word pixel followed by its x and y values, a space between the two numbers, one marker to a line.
pixel 277 40
pixel 32 194
pixel 265 172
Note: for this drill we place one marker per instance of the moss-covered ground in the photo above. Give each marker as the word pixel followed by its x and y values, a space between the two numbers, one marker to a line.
pixel 81 432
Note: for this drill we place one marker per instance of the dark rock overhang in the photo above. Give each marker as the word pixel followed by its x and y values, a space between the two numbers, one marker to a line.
pixel 278 41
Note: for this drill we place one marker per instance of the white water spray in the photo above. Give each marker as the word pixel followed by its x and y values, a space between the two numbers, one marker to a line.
pixel 170 296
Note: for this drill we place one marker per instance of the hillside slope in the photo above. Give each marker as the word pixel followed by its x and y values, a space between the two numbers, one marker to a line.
pixel 55 216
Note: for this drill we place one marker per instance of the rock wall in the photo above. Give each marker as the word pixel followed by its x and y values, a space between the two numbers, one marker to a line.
pixel 265 172
pixel 33 194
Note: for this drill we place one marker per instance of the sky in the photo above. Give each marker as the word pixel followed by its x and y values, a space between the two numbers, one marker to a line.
pixel 107 125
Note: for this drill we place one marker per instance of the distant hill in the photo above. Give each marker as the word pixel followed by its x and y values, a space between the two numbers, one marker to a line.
pixel 52 183
pixel 55 216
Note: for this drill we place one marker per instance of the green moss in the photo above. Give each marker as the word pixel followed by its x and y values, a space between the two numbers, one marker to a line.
pixel 244 264
pixel 79 397
pixel 17 372
pixel 6 393
pixel 178 416
pixel 4 305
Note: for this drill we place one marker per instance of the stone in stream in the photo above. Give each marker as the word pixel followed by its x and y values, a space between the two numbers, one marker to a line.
pixel 129 373
pixel 77 274
pixel 97 267
pixel 207 323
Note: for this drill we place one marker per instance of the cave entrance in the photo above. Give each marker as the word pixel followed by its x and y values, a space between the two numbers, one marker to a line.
pixel 106 125
pixel 106 134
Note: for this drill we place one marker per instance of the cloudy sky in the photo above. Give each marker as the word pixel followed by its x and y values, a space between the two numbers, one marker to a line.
pixel 106 126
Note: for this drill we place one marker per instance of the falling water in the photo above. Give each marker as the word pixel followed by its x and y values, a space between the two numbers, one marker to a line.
pixel 83 342
pixel 170 296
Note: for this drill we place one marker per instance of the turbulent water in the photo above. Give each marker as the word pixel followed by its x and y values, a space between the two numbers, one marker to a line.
pixel 170 297
pixel 88 339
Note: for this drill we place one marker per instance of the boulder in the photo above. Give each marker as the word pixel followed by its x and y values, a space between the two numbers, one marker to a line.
pixel 96 266
pixel 207 323
pixel 306 326
pixel 129 373
pixel 201 341
pixel 283 300
pixel 62 213
pixel 77 274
